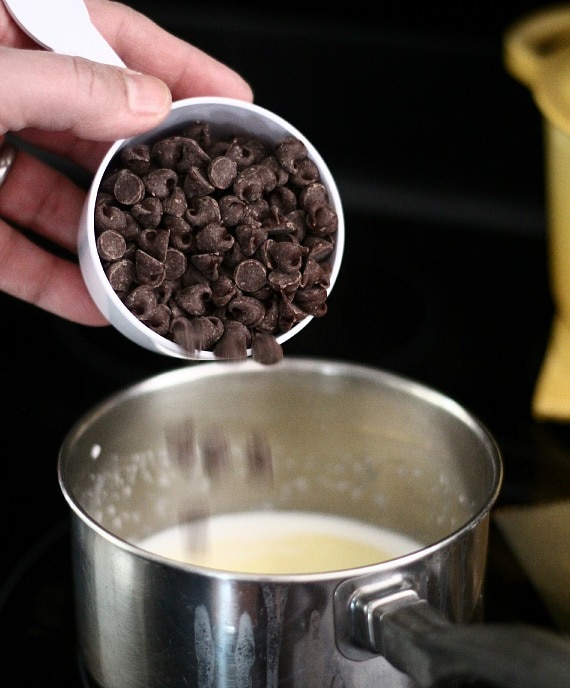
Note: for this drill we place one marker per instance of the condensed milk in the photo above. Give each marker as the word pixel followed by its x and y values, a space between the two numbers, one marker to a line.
pixel 279 542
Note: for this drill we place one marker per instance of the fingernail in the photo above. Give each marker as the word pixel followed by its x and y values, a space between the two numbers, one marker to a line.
pixel 147 95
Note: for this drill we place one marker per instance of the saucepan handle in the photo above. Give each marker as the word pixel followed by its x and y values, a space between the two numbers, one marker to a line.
pixel 417 640
pixel 388 618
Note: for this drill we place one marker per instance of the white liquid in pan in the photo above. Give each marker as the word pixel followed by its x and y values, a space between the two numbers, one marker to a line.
pixel 279 543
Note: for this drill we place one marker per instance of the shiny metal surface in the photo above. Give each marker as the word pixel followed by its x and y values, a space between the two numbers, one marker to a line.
pixel 348 440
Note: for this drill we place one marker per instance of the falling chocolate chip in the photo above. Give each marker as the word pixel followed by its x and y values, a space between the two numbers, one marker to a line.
pixel 234 343
pixel 265 349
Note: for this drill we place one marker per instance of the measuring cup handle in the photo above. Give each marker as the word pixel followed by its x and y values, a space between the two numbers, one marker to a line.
pixel 417 640
pixel 529 42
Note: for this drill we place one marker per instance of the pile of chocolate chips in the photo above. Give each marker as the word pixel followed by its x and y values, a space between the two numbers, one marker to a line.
pixel 217 243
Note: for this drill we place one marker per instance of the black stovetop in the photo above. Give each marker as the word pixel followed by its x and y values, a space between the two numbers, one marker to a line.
pixel 444 280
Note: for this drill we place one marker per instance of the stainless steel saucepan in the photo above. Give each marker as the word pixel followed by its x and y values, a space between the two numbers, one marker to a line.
pixel 348 441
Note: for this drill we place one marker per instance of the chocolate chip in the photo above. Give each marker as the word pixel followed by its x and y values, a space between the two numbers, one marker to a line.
pixel 281 174
pixel 310 297
pixel 203 210
pixel 149 270
pixel 256 212
pixel 314 194
pixel 253 182
pixel 234 256
pixel 306 173
pixel 285 283
pixel 208 264
pixel 246 152
pixel 284 199
pixel 270 322
pixel 250 238
pixel 148 213
pixel 286 256
pixel 216 453
pixel 141 301
pixel 111 245
pixel 160 183
pixel 224 290
pixel 109 217
pixel 250 275
pixel 121 275
pixel 200 132
pixel 154 242
pixel 210 330
pixel 136 158
pixel 232 210
pixel 322 221
pixel 296 220
pixel 277 223
pixel 183 333
pixel 247 310
pixel 196 183
pixel 175 204
pixel 221 172
pixel 214 238
pixel 289 315
pixel 175 263
pixel 168 151
pixel 193 299
pixel 319 249
pixel 128 188
pixel 193 276
pixel 315 274
pixel 193 156
pixel 181 236
pixel 165 290
pixel 132 229
pixel 289 152
pixel 198 334
pixel 159 319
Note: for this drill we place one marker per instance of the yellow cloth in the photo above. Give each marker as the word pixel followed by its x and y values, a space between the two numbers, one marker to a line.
pixel 539 536
pixel 551 399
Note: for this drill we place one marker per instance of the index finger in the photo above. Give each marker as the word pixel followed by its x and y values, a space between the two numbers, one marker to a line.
pixel 147 48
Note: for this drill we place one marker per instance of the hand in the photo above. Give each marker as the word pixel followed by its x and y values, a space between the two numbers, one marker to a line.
pixel 75 108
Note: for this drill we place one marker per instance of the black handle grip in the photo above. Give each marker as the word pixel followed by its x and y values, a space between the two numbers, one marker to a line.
pixel 417 640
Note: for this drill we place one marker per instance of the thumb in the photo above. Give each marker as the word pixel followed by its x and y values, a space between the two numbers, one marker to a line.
pixel 90 100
